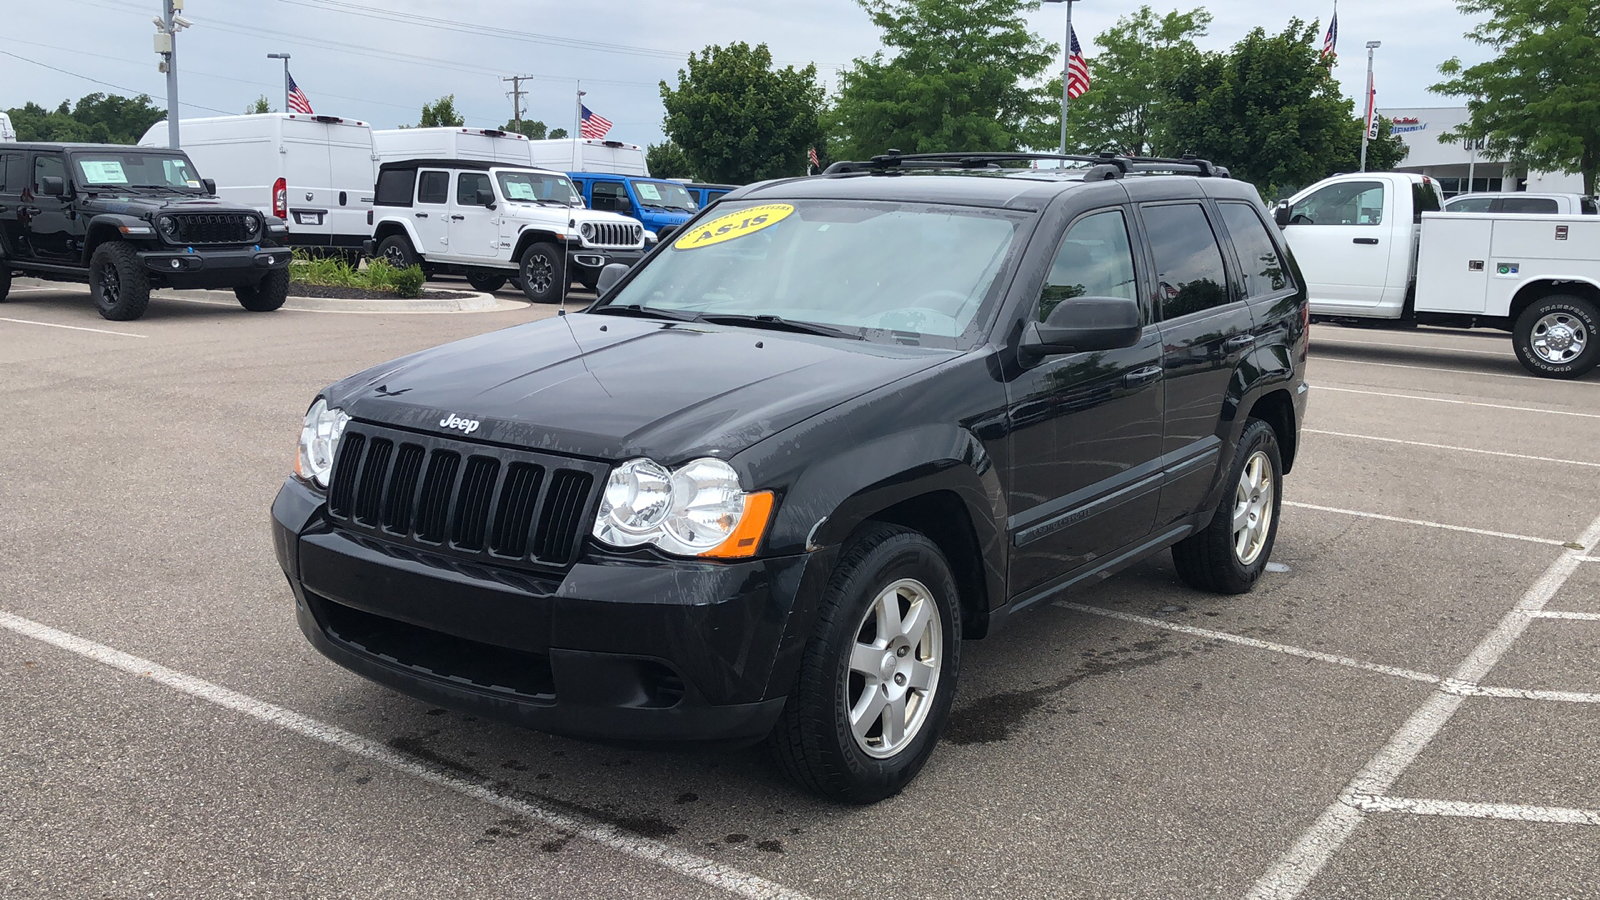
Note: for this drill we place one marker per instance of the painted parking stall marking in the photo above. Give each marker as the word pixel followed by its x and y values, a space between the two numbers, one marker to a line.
pixel 73 327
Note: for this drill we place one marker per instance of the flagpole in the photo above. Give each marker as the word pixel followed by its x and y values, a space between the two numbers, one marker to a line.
pixel 1366 126
pixel 577 128
pixel 1066 95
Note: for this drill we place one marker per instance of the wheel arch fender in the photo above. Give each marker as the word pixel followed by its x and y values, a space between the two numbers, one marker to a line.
pixel 107 227
pixel 535 235
pixel 1537 289
pixel 389 227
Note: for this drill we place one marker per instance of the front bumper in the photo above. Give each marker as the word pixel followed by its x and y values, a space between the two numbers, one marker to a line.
pixel 588 261
pixel 634 648
pixel 188 267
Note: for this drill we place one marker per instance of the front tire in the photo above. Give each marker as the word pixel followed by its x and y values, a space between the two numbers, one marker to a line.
pixel 1556 337
pixel 486 283
pixel 878 675
pixel 541 271
pixel 265 295
pixel 119 284
pixel 1230 553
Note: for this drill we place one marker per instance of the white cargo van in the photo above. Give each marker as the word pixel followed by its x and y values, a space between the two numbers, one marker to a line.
pixel 314 172
pixel 7 133
pixel 586 155
pixel 476 144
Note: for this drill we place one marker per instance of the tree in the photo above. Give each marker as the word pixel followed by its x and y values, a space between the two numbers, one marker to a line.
pixel 1123 106
pixel 1269 109
pixel 1537 101
pixel 737 119
pixel 533 130
pixel 1388 151
pixel 261 106
pixel 667 160
pixel 560 134
pixel 96 119
pixel 441 114
pixel 965 75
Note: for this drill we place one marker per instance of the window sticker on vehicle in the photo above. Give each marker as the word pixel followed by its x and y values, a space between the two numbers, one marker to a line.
pixel 518 190
pixel 107 171
pixel 734 225
pixel 648 191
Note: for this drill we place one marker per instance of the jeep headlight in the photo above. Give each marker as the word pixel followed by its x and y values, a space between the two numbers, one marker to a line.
pixel 252 226
pixel 168 226
pixel 587 231
pixel 319 441
pixel 699 509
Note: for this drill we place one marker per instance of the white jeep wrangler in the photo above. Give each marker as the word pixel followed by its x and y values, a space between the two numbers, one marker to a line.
pixel 494 223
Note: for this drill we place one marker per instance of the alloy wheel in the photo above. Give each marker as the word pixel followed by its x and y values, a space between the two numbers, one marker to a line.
pixel 538 273
pixel 1559 338
pixel 110 285
pixel 894 668
pixel 1252 508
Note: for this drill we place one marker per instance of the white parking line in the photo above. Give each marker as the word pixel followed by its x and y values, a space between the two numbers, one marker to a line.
pixel 1505 693
pixel 1363 362
pixel 1426 524
pixel 1210 635
pixel 1295 869
pixel 708 871
pixel 1368 437
pixel 1558 815
pixel 1532 409
pixel 1318 339
pixel 1553 614
pixel 74 327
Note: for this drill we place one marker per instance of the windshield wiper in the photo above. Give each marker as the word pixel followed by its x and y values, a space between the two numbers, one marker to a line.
pixel 644 312
pixel 777 323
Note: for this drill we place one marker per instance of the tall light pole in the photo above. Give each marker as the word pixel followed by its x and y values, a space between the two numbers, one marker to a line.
pixel 1366 125
pixel 285 58
pixel 1066 66
pixel 168 24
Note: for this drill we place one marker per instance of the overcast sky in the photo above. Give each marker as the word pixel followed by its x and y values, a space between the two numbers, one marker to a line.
pixel 354 59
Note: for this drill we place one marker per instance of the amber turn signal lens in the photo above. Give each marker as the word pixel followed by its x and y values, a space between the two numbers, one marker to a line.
pixel 746 537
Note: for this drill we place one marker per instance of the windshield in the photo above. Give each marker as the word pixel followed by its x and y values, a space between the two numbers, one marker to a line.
pixel 533 187
pixel 888 272
pixel 665 195
pixel 102 171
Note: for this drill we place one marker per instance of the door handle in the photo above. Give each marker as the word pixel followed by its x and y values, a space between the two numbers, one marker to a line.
pixel 30 210
pixel 422 215
pixel 1239 342
pixel 1143 376
pixel 458 218
pixel 1365 241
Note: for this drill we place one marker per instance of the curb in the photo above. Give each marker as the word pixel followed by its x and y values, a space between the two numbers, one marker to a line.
pixel 476 303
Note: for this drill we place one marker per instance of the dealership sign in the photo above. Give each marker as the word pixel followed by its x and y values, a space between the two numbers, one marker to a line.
pixel 1403 124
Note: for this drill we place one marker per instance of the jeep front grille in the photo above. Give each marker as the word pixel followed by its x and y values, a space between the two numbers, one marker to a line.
pixel 470 501
pixel 616 234
pixel 216 228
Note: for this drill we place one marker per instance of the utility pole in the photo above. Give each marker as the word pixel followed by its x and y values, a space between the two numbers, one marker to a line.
pixel 285 58
pixel 168 24
pixel 1366 126
pixel 517 93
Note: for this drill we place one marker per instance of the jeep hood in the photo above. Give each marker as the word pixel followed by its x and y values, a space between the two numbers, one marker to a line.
pixel 614 388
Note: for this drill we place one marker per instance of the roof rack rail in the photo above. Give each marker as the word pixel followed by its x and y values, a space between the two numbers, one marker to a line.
pixel 1101 166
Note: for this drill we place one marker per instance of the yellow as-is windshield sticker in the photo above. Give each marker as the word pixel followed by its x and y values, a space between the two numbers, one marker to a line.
pixel 734 225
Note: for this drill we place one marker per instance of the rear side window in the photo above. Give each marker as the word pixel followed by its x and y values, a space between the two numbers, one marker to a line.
pixel 1345 203
pixel 467 186
pixel 433 187
pixel 396 187
pixel 1543 205
pixel 1095 259
pixel 1189 271
pixel 1470 204
pixel 1588 207
pixel 1423 199
pixel 1262 266
pixel 7 160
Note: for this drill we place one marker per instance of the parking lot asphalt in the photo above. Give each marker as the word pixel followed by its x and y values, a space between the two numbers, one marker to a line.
pixel 1407 706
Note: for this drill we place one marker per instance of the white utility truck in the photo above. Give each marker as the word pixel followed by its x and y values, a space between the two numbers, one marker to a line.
pixel 476 144
pixel 314 172
pixel 589 155
pixel 1373 247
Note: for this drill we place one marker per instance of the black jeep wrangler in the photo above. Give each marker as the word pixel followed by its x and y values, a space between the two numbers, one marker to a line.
pixel 127 219
pixel 773 478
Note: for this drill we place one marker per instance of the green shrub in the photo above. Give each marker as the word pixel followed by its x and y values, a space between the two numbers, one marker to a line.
pixel 378 275
pixel 408 282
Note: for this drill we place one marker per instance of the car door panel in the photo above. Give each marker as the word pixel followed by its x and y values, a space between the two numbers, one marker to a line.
pixel 431 214
pixel 474 229
pixel 13 181
pixel 49 221
pixel 1343 235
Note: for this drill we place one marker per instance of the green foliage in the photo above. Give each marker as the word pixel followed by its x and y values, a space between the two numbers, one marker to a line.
pixel 1383 154
pixel 534 130
pixel 667 160
pixel 1136 56
pixel 964 75
pixel 260 107
pixel 441 113
pixel 559 134
pixel 737 119
pixel 1537 100
pixel 334 271
pixel 95 119
pixel 406 282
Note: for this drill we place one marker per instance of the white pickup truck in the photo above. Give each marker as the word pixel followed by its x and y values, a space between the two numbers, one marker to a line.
pixel 1372 246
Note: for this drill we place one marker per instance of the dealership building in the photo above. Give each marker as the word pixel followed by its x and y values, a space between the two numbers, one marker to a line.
pixel 1452 164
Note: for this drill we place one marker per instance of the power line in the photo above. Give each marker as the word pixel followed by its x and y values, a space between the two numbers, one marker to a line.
pixel 107 83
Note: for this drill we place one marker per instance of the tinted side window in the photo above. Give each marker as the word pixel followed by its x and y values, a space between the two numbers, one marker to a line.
pixel 467 186
pixel 1345 203
pixel 1545 205
pixel 610 195
pixel 5 164
pixel 46 167
pixel 1189 272
pixel 1263 267
pixel 1588 207
pixel 433 187
pixel 1471 204
pixel 396 187
pixel 1095 259
pixel 1423 199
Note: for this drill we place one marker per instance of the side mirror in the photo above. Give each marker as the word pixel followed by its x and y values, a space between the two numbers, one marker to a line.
pixel 210 185
pixel 609 276
pixel 485 197
pixel 1282 213
pixel 1084 324
pixel 53 186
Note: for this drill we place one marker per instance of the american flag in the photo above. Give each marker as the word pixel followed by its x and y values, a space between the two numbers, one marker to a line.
pixel 595 126
pixel 1330 43
pixel 1077 70
pixel 812 155
pixel 298 102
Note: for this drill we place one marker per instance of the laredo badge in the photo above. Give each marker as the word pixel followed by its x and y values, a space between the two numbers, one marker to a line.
pixel 734 225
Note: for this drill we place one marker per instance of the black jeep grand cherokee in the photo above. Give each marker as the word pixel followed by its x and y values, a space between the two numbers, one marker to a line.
pixel 126 219
pixel 773 478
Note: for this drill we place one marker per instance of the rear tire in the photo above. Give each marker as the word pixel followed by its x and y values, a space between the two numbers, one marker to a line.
pixel 5 282
pixel 396 250
pixel 873 694
pixel 541 271
pixel 486 283
pixel 265 295
pixel 1231 552
pixel 1557 337
pixel 118 282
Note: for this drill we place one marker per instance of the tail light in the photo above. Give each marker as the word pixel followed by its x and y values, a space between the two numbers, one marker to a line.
pixel 280 199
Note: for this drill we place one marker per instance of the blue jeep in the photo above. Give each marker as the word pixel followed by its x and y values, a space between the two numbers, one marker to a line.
pixel 662 206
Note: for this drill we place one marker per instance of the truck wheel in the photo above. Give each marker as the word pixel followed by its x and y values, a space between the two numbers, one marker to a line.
pixel 878 675
pixel 118 283
pixel 266 295
pixel 396 251
pixel 486 283
pixel 1230 553
pixel 1555 337
pixel 5 282
pixel 540 270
